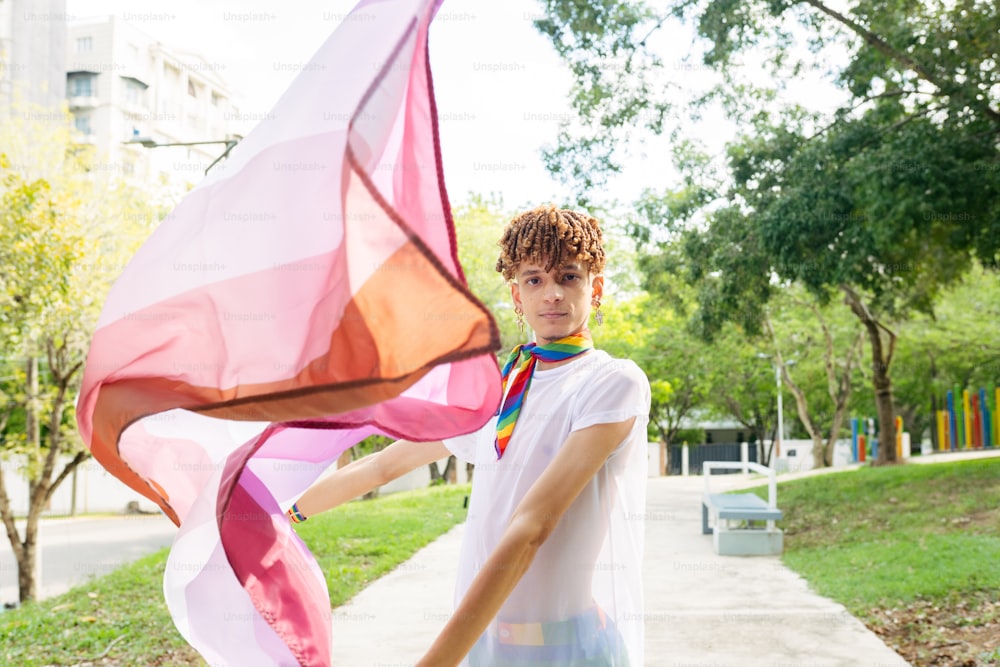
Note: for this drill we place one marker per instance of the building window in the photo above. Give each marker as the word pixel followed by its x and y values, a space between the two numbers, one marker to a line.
pixel 216 99
pixel 192 89
pixel 82 124
pixel 81 85
pixel 135 92
pixel 84 44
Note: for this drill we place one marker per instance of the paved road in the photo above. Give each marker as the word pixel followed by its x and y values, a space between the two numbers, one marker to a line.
pixel 74 550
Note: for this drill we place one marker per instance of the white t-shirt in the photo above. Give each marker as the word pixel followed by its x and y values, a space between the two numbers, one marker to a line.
pixel 595 552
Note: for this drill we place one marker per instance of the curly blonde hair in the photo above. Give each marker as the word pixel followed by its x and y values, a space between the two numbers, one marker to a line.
pixel 555 236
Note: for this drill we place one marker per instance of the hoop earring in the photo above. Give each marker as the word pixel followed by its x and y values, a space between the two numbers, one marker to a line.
pixel 520 318
pixel 598 315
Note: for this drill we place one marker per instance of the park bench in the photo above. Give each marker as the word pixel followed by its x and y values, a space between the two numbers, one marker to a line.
pixel 734 519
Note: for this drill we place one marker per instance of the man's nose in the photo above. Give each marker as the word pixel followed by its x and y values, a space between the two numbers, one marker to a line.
pixel 553 292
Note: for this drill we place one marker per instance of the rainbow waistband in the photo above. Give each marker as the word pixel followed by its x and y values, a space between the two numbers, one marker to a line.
pixel 556 633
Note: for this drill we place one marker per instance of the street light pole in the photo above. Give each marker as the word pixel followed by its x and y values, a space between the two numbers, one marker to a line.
pixel 147 142
pixel 781 422
pixel 780 436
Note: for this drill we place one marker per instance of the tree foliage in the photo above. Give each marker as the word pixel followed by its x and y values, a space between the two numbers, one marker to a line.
pixel 479 224
pixel 887 199
pixel 641 330
pixel 957 346
pixel 66 231
pixel 818 351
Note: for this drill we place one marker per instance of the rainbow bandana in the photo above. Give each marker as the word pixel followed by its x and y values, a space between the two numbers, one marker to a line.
pixel 559 350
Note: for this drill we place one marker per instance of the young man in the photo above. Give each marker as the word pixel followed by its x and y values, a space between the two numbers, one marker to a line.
pixel 550 568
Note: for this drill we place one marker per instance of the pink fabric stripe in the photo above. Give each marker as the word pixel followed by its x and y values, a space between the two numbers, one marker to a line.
pixel 306 283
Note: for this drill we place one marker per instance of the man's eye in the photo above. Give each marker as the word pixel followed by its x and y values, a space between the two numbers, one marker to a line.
pixel 570 277
pixel 532 281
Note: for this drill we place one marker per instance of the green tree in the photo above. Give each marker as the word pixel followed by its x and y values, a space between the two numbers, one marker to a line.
pixel 884 201
pixel 742 387
pixel 675 362
pixel 825 347
pixel 957 346
pixel 64 234
pixel 479 224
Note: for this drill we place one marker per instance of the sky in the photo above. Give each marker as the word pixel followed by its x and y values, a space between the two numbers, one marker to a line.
pixel 501 90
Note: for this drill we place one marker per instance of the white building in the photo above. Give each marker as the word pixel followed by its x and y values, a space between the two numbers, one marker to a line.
pixel 32 53
pixel 123 86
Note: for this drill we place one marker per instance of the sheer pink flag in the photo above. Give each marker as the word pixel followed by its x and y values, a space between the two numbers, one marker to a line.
pixel 306 295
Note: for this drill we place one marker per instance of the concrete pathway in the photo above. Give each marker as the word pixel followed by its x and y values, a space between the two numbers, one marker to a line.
pixel 701 609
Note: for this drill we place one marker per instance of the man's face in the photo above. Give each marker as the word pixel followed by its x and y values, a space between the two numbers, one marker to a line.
pixel 556 303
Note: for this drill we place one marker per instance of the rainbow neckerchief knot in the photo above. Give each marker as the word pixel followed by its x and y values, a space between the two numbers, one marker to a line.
pixel 558 350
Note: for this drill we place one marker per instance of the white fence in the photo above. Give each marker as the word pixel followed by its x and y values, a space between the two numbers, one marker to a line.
pixel 97 491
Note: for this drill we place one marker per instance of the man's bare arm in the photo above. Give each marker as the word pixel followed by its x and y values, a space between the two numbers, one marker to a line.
pixel 534 519
pixel 368 473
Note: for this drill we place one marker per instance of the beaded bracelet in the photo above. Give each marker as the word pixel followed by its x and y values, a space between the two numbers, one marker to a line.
pixel 295 515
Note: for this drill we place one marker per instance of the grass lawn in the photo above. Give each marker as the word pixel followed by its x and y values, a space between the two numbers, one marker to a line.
pixel 911 550
pixel 121 619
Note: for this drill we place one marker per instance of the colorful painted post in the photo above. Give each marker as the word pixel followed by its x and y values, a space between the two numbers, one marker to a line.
pixel 954 420
pixel 854 439
pixel 861 448
pixel 987 419
pixel 995 406
pixel 966 420
pixel 942 430
pixel 976 421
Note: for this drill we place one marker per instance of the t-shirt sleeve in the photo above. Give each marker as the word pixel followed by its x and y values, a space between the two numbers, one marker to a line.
pixel 465 447
pixel 619 392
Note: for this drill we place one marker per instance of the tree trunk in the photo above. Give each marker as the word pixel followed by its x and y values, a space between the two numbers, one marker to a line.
pixel 32 431
pixel 470 469
pixel 450 473
pixel 665 439
pixel 802 407
pixel 27 565
pixel 838 421
pixel 8 520
pixel 768 450
pixel 886 415
pixel 41 484
pixel 881 360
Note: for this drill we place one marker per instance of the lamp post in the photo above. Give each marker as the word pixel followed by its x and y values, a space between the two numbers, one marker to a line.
pixel 781 416
pixel 147 142
pixel 781 413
